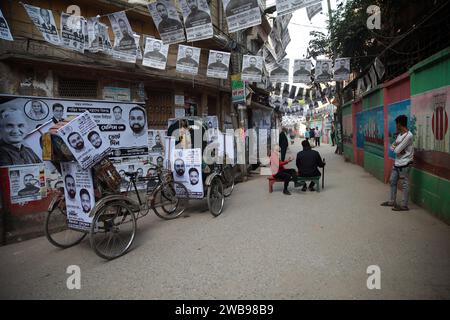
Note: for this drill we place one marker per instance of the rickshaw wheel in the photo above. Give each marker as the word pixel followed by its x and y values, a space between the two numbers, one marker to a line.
pixel 169 201
pixel 113 230
pixel 228 175
pixel 215 196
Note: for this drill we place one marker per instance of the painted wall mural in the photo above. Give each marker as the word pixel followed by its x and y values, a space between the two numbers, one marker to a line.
pixel 360 130
pixel 373 120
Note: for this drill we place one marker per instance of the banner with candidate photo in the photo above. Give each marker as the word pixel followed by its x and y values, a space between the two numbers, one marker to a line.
pixel 197 19
pixel 302 71
pixel 323 71
pixel 85 140
pixel 252 68
pixel 242 14
pixel 156 147
pixel 124 43
pixel 72 35
pixel 167 21
pixel 218 64
pixel 288 6
pixel 281 72
pixel 5 32
pixel 342 69
pixel 45 22
pixel 155 54
pixel 139 168
pixel 187 169
pixel 79 195
pixel 27 183
pixel 188 59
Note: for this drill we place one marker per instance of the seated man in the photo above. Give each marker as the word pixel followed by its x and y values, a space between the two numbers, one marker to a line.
pixel 278 170
pixel 308 162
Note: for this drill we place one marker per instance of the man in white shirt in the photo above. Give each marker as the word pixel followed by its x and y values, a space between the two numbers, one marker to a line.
pixel 404 155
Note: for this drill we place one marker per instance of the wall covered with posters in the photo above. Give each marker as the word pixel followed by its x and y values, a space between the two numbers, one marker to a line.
pixel 347 131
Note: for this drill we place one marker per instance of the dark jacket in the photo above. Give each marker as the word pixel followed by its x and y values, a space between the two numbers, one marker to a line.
pixel 283 141
pixel 308 162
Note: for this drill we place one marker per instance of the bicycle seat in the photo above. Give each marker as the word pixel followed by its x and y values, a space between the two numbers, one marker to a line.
pixel 131 174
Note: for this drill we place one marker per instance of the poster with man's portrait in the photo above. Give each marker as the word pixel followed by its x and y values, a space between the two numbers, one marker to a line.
pixel 43 20
pixel 85 140
pixel 188 59
pixel 302 71
pixel 281 72
pixel 27 183
pixel 5 32
pixel 141 171
pixel 288 6
pixel 79 195
pixel 187 169
pixel 270 62
pixel 72 35
pixel 218 64
pixel 167 21
pixel 95 42
pixel 324 71
pixel 155 54
pixel 197 19
pixel 242 14
pixel 124 42
pixel 104 38
pixel 252 68
pixel 342 69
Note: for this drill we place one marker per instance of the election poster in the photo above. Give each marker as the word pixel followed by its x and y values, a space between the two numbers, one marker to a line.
pixel 5 32
pixel 27 183
pixel 252 68
pixel 342 69
pixel 213 129
pixel 188 59
pixel 288 6
pixel 156 147
pixel 72 36
pixel 137 41
pixel 313 10
pixel 79 195
pixel 218 64
pixel 155 54
pixel 137 167
pixel 95 43
pixel 281 72
pixel 323 71
pixel 45 22
pixel 197 19
pixel 104 38
pixel 241 14
pixel 167 21
pixel 85 140
pixel 270 62
pixel 124 43
pixel 187 169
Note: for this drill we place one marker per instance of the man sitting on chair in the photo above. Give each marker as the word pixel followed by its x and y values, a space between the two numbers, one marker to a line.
pixel 278 170
pixel 308 162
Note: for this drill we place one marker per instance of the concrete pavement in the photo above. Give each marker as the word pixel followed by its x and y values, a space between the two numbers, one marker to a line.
pixel 263 246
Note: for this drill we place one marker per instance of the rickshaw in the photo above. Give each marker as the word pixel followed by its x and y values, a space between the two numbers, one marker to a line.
pixel 218 177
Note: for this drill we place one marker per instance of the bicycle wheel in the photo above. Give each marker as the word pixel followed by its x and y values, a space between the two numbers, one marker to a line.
pixel 113 230
pixel 215 197
pixel 56 228
pixel 170 200
pixel 228 177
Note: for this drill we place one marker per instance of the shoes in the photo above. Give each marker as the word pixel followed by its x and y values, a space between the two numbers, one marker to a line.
pixel 304 188
pixel 286 192
pixel 400 208
pixel 388 204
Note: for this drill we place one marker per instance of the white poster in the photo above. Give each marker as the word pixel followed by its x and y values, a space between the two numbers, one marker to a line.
pixel 155 54
pixel 323 71
pixel 342 69
pixel 313 10
pixel 197 19
pixel 180 113
pixel 72 36
pixel 302 71
pixel 142 170
pixel 104 38
pixel 124 43
pixel 43 20
pixel 281 72
pixel 252 68
pixel 95 43
pixel 5 32
pixel 85 140
pixel 79 195
pixel 156 142
pixel 137 41
pixel 241 14
pixel 167 21
pixel 229 147
pixel 26 183
pixel 187 169
pixel 218 64
pixel 213 128
pixel 188 59
pixel 270 61
pixel 288 6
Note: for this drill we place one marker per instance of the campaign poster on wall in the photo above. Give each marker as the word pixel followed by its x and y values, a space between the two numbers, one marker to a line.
pixel 188 59
pixel 252 68
pixel 45 22
pixel 288 6
pixel 342 69
pixel 125 48
pixel 167 21
pixel 281 72
pixel 85 140
pixel 395 110
pixel 5 32
pixel 241 14
pixel 155 54
pixel 72 35
pixel 79 195
pixel 302 71
pixel 27 183
pixel 218 64
pixel 197 19
pixel 187 169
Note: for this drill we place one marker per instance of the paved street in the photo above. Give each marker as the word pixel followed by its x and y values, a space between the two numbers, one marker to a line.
pixel 264 246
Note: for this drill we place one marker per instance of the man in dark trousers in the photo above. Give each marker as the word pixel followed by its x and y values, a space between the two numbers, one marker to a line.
pixel 283 143
pixel 308 162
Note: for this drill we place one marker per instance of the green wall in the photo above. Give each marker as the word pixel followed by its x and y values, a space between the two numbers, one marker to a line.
pixel 374 98
pixel 347 109
pixel 374 164
pixel 348 153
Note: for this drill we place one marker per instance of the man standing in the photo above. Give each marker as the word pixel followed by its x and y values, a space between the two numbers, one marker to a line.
pixel 308 162
pixel 283 143
pixel 404 155
pixel 317 136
